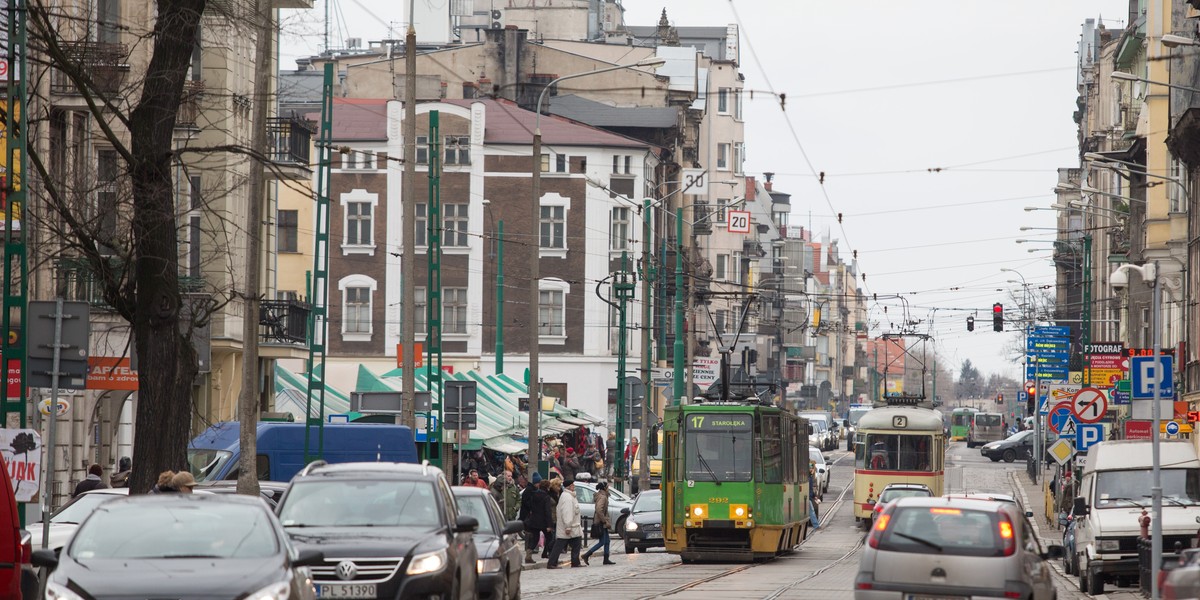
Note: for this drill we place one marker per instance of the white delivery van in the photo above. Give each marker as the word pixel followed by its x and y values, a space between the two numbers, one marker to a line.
pixel 1114 490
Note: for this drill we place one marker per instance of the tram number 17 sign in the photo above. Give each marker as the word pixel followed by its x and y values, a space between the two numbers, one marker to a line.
pixel 739 221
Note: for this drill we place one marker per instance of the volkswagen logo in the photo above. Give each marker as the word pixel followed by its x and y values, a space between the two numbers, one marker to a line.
pixel 346 570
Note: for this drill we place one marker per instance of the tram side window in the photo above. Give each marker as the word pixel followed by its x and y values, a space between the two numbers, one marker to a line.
pixel 860 453
pixel 771 449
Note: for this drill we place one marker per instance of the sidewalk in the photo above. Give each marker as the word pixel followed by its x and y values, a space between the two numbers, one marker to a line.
pixel 1032 497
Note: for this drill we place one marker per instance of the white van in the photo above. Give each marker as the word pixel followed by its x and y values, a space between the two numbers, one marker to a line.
pixel 827 441
pixel 1114 490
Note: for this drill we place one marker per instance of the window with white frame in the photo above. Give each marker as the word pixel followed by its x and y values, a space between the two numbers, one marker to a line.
pixel 623 164
pixel 628 165
pixel 618 233
pixel 739 156
pixel 193 228
pixel 721 271
pixel 722 321
pixel 357 297
pixel 287 225
pixel 552 305
pixel 103 212
pixel 358 222
pixel 554 163
pixel 422 149
pixel 358 160
pixel 454 225
pixel 736 268
pixel 737 104
pixel 458 150
pixel 723 100
pixel 553 227
pixel 421 226
pixel 722 207
pixel 723 157
pixel 420 306
pixel 454 310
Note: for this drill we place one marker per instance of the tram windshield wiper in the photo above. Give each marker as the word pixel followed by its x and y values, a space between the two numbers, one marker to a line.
pixel 919 540
pixel 704 463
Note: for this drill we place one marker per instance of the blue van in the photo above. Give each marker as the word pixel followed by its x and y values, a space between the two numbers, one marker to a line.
pixel 214 454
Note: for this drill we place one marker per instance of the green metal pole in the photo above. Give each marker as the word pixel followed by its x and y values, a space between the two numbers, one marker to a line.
pixel 500 298
pixel 433 303
pixel 16 264
pixel 319 294
pixel 677 355
pixel 623 289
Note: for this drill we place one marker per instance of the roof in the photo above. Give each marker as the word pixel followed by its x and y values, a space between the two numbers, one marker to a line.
pixel 1135 454
pixel 362 119
pixel 599 114
pixel 508 123
pixel 919 419
pixel 373 468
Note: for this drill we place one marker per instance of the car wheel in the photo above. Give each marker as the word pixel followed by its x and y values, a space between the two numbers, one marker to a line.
pixel 1083 579
pixel 628 548
pixel 1009 455
pixel 1095 583
pixel 621 527
pixel 995 458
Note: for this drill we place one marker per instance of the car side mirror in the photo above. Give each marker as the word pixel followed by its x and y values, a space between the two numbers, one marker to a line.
pixel 465 524
pixel 1080 507
pixel 1052 552
pixel 44 558
pixel 1029 514
pixel 309 558
pixel 513 527
pixel 624 511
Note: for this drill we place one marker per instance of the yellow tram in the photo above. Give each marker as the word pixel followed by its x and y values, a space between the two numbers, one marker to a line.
pixel 897 444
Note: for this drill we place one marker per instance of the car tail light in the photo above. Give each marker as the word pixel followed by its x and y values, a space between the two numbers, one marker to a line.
pixel 881 525
pixel 1006 536
pixel 26 547
pixel 1012 594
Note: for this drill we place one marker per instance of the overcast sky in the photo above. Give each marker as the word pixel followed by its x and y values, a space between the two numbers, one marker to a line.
pixel 878 94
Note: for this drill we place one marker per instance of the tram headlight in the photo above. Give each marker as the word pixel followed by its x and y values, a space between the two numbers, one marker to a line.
pixel 739 511
pixel 698 511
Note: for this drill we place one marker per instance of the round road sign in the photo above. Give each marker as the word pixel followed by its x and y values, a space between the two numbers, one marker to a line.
pixel 1172 428
pixel 1089 405
pixel 1059 415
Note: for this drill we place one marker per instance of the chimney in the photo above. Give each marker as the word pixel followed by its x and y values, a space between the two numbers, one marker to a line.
pixel 767 184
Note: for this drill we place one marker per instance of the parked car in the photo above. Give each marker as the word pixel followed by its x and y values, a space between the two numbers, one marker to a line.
pixel 1070 562
pixel 823 468
pixel 387 530
pixel 585 494
pixel 153 546
pixel 1183 581
pixel 66 520
pixel 950 547
pixel 271 491
pixel 643 526
pixel 1016 446
pixel 895 491
pixel 498 548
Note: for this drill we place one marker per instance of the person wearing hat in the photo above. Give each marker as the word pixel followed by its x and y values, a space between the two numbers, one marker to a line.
pixel 183 482
pixel 535 514
pixel 601 519
pixel 570 465
pixel 569 533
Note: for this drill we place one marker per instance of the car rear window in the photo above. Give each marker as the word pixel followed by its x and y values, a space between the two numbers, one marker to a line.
pixel 893 493
pixel 987 420
pixel 942 530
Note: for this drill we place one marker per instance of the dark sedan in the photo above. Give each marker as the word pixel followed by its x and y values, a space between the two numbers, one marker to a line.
pixel 1016 446
pixel 643 523
pixel 497 545
pixel 156 545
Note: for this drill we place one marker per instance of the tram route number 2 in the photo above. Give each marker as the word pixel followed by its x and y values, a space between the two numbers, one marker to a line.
pixel 739 221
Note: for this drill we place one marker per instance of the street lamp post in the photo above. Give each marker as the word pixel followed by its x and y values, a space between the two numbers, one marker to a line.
pixel 1037 404
pixel 1149 275
pixel 534 383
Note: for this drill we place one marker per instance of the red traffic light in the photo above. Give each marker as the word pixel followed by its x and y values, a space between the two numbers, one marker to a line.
pixel 998 308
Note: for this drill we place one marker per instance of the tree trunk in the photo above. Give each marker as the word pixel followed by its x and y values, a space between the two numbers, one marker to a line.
pixel 167 361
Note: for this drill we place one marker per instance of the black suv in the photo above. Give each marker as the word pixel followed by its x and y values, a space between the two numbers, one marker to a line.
pixel 387 530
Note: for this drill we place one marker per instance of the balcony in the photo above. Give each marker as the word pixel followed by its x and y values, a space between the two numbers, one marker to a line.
pixel 189 105
pixel 283 328
pixel 103 62
pixel 76 281
pixel 289 140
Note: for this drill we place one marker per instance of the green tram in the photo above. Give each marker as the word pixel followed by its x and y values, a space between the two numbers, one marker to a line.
pixel 734 482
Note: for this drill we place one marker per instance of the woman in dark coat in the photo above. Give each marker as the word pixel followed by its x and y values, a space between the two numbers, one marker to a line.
pixel 536 512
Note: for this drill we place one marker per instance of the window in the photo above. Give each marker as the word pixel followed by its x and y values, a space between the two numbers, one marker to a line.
pixel 193 257
pixel 287 227
pixel 357 291
pixel 551 314
pixel 739 156
pixel 737 104
pixel 723 157
pixel 358 160
pixel 454 225
pixel 553 224
pixel 628 165
pixel 736 268
pixel 421 306
pixel 723 100
pixel 560 163
pixel 722 319
pixel 454 310
pixel 618 234
pixel 722 204
pixel 108 21
pixel 422 149
pixel 358 310
pixel 458 150
pixel 722 268
pixel 422 225
pixel 104 212
pixel 358 223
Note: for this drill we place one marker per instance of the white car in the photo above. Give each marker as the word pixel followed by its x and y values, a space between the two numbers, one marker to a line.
pixel 585 494
pixel 823 468
pixel 66 520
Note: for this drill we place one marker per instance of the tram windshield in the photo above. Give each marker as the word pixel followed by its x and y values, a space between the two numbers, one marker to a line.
pixel 717 447
pixel 891 452
pixel 962 419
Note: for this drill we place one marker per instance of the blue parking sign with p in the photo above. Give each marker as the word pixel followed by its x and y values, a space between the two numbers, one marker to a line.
pixel 1087 434
pixel 1144 375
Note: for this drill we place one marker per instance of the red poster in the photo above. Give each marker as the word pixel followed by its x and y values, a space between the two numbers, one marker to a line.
pixel 1137 430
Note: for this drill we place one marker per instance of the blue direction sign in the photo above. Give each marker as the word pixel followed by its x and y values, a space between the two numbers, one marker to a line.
pixel 1049 343
pixel 1145 374
pixel 1053 373
pixel 1087 434
pixel 1051 330
pixel 1119 397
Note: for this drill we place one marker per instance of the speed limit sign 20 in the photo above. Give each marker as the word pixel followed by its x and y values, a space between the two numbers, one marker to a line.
pixel 739 221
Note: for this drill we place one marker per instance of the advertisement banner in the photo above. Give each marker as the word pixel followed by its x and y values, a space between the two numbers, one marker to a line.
pixel 22 452
pixel 111 373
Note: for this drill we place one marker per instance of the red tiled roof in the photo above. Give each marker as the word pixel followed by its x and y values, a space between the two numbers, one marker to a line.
pixel 508 123
pixel 358 119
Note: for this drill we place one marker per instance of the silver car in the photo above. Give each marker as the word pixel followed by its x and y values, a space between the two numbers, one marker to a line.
pixel 585 494
pixel 951 547
pixel 823 469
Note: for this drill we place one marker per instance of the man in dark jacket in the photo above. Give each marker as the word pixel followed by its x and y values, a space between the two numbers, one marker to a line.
pixel 570 466
pixel 92 482
pixel 536 514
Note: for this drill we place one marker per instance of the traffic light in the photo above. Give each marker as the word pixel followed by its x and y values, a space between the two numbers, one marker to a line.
pixel 970 323
pixel 1030 397
pixel 1000 398
pixel 997 317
